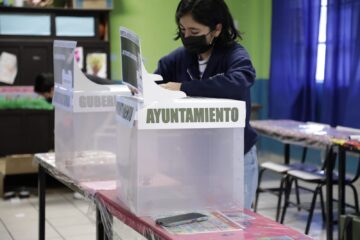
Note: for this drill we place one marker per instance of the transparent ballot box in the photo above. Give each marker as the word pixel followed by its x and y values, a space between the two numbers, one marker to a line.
pixel 85 124
pixel 179 156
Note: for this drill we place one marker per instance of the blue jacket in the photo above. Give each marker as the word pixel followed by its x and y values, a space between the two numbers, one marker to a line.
pixel 229 74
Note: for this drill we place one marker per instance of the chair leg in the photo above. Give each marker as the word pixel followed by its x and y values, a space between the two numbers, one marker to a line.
pixel 311 211
pixel 258 189
pixel 288 183
pixel 297 195
pixel 281 192
pixel 322 206
pixel 356 198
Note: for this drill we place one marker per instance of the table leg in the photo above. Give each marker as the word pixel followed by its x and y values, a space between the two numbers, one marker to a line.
pixel 109 235
pixel 100 233
pixel 287 153
pixel 41 193
pixel 341 202
pixel 329 194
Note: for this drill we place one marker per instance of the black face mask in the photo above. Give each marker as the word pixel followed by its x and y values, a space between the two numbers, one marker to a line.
pixel 196 44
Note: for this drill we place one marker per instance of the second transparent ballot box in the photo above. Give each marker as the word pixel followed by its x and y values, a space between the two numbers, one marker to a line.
pixel 85 123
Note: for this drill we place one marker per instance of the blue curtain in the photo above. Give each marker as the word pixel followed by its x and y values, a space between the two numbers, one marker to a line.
pixel 294 38
pixel 341 91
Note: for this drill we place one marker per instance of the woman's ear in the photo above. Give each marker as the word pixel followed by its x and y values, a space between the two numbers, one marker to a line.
pixel 218 29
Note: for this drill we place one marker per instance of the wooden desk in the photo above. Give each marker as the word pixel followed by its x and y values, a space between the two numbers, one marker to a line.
pixel 307 134
pixel 102 190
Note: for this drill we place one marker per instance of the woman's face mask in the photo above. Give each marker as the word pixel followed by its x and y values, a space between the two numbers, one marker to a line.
pixel 197 44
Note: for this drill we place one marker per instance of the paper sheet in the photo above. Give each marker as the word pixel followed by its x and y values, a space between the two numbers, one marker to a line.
pixel 8 67
pixel 217 222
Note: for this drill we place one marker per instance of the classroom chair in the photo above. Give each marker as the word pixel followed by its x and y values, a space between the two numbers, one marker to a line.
pixel 319 179
pixel 281 169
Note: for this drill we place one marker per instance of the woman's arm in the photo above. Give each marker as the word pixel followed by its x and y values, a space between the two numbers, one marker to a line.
pixel 166 68
pixel 234 83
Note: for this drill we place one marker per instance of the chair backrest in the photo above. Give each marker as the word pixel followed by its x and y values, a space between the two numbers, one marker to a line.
pixel 330 155
pixel 323 161
pixel 303 155
pixel 357 174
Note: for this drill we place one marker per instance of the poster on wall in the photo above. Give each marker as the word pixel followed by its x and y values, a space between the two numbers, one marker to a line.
pixel 96 64
pixel 8 67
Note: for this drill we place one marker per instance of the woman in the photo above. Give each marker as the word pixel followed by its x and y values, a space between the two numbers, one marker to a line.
pixel 213 64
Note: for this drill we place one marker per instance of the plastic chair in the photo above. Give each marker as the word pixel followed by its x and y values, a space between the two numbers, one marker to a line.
pixel 318 178
pixel 282 170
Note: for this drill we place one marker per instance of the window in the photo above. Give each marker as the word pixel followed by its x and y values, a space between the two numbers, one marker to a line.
pixel 25 24
pixel 321 54
pixel 75 26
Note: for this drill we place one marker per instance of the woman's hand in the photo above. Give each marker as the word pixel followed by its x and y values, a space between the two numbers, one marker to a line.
pixel 133 90
pixel 175 86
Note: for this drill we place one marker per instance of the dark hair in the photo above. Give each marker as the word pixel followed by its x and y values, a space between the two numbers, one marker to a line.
pixel 44 82
pixel 209 13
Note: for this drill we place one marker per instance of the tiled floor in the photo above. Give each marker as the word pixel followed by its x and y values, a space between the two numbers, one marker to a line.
pixel 74 219
pixel 66 217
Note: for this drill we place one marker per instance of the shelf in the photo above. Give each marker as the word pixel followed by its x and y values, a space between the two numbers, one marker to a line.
pixel 34 52
pixel 50 9
pixel 100 22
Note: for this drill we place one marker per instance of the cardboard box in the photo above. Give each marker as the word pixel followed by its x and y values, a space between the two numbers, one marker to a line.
pixel 16 164
pixel 350 227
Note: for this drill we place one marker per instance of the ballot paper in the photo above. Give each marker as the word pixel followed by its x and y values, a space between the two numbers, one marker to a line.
pixel 8 67
pixel 217 222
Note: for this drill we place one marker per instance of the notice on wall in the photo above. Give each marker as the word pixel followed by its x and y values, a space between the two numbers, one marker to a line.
pixel 8 67
pixel 79 57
